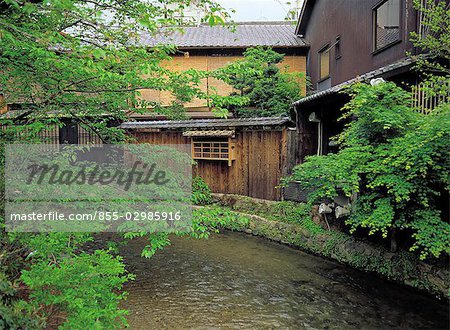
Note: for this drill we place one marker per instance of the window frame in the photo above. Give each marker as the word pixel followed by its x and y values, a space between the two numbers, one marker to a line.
pixel 337 46
pixel 376 50
pixel 230 147
pixel 324 49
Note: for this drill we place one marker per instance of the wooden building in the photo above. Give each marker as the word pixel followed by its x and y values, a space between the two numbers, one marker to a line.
pixel 245 156
pixel 351 41
pixel 349 38
pixel 209 48
pixel 236 156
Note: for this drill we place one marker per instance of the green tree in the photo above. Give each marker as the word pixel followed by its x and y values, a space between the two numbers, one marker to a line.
pixel 81 60
pixel 85 59
pixel 397 161
pixel 268 89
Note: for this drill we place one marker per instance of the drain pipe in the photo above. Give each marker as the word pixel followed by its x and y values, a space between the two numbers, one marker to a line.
pixel 314 119
pixel 320 138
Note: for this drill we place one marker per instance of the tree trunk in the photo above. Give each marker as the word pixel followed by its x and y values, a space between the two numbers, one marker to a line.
pixel 393 240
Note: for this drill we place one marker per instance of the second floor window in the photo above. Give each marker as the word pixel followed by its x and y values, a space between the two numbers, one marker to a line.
pixel 324 63
pixel 386 23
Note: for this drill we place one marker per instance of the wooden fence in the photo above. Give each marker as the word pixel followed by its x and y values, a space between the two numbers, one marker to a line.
pixel 54 134
pixel 425 101
pixel 262 157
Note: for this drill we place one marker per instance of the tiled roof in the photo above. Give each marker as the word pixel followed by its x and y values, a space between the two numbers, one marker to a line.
pixel 247 34
pixel 206 123
pixel 13 114
pixel 362 78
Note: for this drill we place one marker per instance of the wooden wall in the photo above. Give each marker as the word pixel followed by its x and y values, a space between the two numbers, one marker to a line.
pixel 352 21
pixel 262 158
pixel 209 62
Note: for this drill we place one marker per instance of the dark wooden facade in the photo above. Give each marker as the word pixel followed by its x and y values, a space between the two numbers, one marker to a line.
pixel 351 23
pixel 347 28
pixel 263 155
pixel 328 110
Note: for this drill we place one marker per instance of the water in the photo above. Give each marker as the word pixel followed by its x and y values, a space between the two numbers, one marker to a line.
pixel 233 280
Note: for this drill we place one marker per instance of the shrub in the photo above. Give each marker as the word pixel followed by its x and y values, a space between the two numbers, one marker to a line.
pixel 397 159
pixel 201 193
pixel 14 312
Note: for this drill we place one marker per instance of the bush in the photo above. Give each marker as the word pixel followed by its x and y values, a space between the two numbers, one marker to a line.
pixel 201 193
pixel 14 312
pixel 396 159
pixel 212 218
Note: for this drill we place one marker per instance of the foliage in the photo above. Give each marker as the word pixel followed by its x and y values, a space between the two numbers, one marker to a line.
pixel 396 159
pixel 288 212
pixel 210 218
pixel 66 282
pixel 269 89
pixel 201 193
pixel 84 59
pixel 434 40
pixel 83 285
pixel 296 213
pixel 15 312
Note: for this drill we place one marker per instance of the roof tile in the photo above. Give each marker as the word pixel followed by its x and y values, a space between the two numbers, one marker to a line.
pixel 206 123
pixel 247 34
pixel 362 78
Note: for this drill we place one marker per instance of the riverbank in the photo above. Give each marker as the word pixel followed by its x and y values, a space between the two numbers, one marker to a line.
pixel 291 224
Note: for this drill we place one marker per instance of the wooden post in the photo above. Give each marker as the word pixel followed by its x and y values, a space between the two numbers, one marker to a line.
pixel 3 105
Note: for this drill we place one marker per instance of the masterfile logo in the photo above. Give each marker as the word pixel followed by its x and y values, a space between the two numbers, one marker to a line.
pixel 98 188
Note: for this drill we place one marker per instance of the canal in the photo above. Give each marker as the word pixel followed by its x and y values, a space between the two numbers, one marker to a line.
pixel 233 280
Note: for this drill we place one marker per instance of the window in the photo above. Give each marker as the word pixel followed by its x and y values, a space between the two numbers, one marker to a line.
pixel 386 23
pixel 337 48
pixel 324 63
pixel 213 149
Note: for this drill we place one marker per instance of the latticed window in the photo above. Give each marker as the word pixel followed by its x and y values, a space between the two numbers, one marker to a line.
pixel 212 145
pixel 211 150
